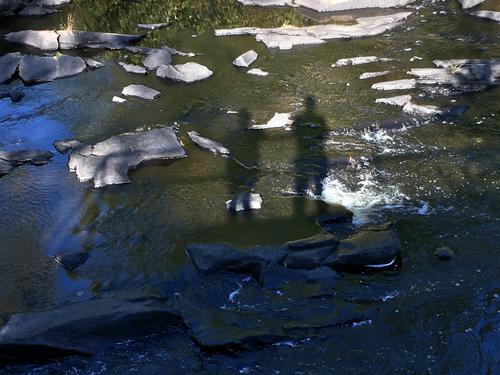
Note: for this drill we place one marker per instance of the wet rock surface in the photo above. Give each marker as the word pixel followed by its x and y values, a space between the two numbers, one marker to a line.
pixel 152 26
pixel 189 72
pixel 208 144
pixel 130 68
pixel 38 69
pixel 141 91
pixel 108 162
pixel 8 66
pixel 12 159
pixel 71 261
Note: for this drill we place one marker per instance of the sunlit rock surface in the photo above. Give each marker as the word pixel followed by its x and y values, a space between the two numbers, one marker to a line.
pixel 108 162
pixel 398 101
pixel 141 91
pixel 208 144
pixel 44 40
pixel 470 3
pixel 152 26
pixel 131 68
pixel 279 120
pixel 369 75
pixel 330 5
pixel 244 202
pixel 402 84
pixel 8 66
pixel 188 73
pixel 37 69
pixel 359 61
pixel 157 58
pixel 257 72
pixel 489 15
pixel 246 59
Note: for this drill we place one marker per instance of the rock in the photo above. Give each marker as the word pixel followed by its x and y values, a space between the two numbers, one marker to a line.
pixel 423 110
pixel 369 75
pixel 245 60
pixel 257 72
pixel 318 241
pixel 277 276
pixel 148 50
pixel 445 253
pixel 208 144
pixel 37 69
pixel 367 249
pixel 210 258
pixel 44 40
pixel 489 15
pixel 265 3
pixel 88 327
pixel 71 261
pixel 65 145
pixel 77 39
pixel 338 221
pixel 157 58
pixel 308 259
pixel 140 91
pixel 402 84
pixel 152 26
pixel 35 11
pixel 117 99
pixel 279 120
pixel 12 159
pixel 466 4
pixel 398 101
pixel 51 3
pixel 16 96
pixel 130 68
pixel 287 37
pixel 108 162
pixel 8 66
pixel 244 202
pixel 359 61
pixel 93 64
pixel 188 73
pixel 339 5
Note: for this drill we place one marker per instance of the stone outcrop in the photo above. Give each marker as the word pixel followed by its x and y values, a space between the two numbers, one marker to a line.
pixel 38 69
pixel 188 73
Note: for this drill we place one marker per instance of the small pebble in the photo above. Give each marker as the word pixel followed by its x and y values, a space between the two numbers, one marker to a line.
pixel 444 253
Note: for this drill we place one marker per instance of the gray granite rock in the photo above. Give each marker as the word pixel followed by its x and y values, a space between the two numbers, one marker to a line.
pixel 130 68
pixel 188 73
pixel 38 69
pixel 109 162
pixel 44 40
pixel 466 4
pixel 359 61
pixel 93 64
pixel 77 39
pixel 369 75
pixel 8 66
pixel 50 3
pixel 65 145
pixel 152 26
pixel 208 144
pixel 12 159
pixel 489 15
pixel 246 59
pixel 402 84
pixel 35 11
pixel 157 58
pixel 140 91
pixel 398 101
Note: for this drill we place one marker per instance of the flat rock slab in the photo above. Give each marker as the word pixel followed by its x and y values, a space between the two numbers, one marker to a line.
pixel 38 69
pixel 330 5
pixel 109 162
pixel 369 75
pixel 36 11
pixel 402 84
pixel 152 26
pixel 208 144
pixel 12 159
pixel 279 120
pixel 157 58
pixel 466 4
pixel 489 15
pixel 140 91
pixel 359 61
pixel 398 101
pixel 82 328
pixel 288 37
pixel 422 110
pixel 246 59
pixel 130 68
pixel 8 66
pixel 93 64
pixel 188 73
pixel 257 72
pixel 244 202
pixel 44 40
pixel 77 39
pixel 51 3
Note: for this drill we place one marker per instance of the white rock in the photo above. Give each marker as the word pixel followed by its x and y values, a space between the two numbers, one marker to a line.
pixel 93 64
pixel 244 202
pixel 117 99
pixel 402 84
pixel 286 42
pixel 494 16
pixel 188 73
pixel 359 61
pixel 338 5
pixel 398 101
pixel 257 72
pixel 368 75
pixel 424 110
pixel 246 59
pixel 279 120
pixel 466 4
pixel 140 91
pixel 42 39
pixel 130 68
pixel 208 144
pixel 152 26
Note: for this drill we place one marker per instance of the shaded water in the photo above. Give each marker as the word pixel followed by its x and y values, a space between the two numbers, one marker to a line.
pixel 438 181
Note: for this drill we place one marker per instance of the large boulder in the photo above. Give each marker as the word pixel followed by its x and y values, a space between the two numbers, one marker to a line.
pixel 489 15
pixel 82 328
pixel 37 69
pixel 108 162
pixel 188 73
pixel 8 66
pixel 44 40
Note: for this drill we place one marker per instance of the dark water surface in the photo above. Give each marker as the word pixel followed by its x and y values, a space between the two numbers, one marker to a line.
pixel 439 182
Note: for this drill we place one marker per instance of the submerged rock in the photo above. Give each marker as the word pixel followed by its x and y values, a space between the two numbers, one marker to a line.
pixel 130 68
pixel 257 72
pixel 287 37
pixel 44 40
pixel 445 253
pixel 208 144
pixel 279 120
pixel 244 202
pixel 369 75
pixel 398 101
pixel 152 26
pixel 157 58
pixel 245 60
pixel 108 162
pixel 489 15
pixel 14 95
pixel 317 241
pixel 12 159
pixel 71 261
pixel 402 84
pixel 65 145
pixel 38 69
pixel 140 91
pixel 82 328
pixel 76 39
pixel 5 167
pixel 188 73
pixel 8 66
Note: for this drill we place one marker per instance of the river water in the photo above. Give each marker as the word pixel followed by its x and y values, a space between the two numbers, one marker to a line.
pixel 437 180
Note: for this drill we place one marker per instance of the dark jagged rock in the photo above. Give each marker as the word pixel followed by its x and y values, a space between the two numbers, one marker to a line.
pixel 444 253
pixel 369 248
pixel 277 276
pixel 44 40
pixel 11 159
pixel 210 258
pixel 5 167
pixel 208 144
pixel 38 69
pixel 71 261
pixel 82 328
pixel 308 259
pixel 14 95
pixel 339 221
pixel 319 240
pixel 8 66
pixel 244 202
pixel 108 162
pixel 77 39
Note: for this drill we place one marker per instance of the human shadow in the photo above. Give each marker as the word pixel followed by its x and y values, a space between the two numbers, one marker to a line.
pixel 311 162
